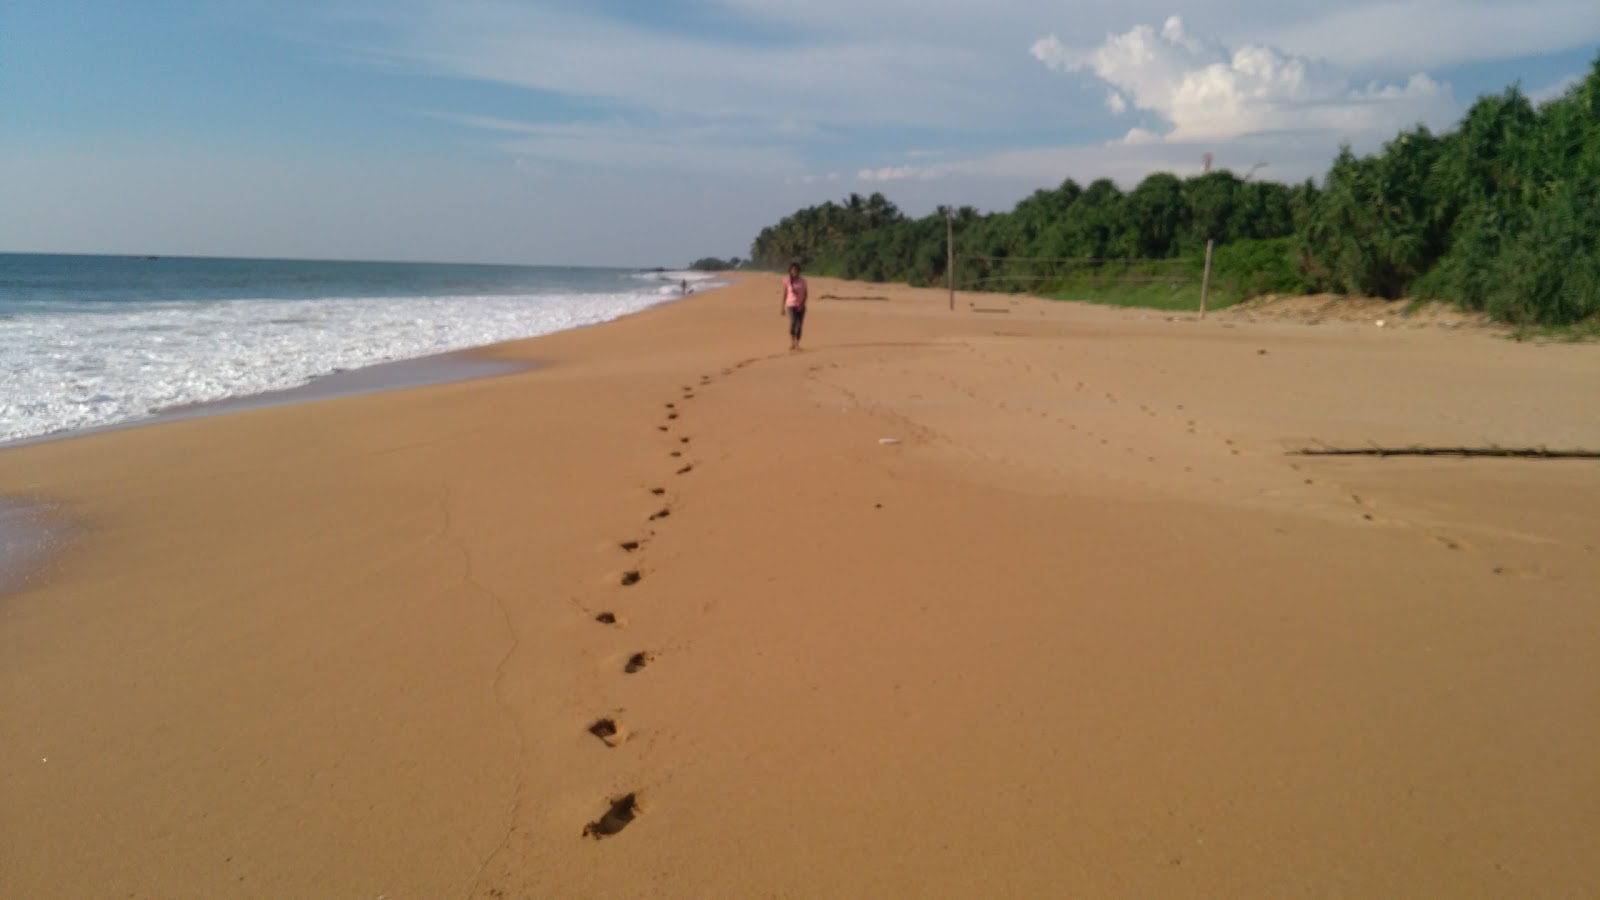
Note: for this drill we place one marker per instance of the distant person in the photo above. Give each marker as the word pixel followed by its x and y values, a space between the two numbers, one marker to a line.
pixel 684 287
pixel 794 303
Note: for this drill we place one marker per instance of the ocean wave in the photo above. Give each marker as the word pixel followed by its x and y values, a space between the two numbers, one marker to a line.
pixel 677 276
pixel 62 371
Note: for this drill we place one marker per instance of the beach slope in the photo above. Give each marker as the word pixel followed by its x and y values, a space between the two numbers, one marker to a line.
pixel 1020 599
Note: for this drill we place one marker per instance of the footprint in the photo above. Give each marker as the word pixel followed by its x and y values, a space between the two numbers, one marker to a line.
pixel 630 577
pixel 672 416
pixel 629 546
pixel 658 491
pixel 661 428
pixel 675 454
pixel 609 732
pixel 672 406
pixel 661 513
pixel 685 470
pixel 620 815
pixel 637 662
pixel 610 618
pixel 683 440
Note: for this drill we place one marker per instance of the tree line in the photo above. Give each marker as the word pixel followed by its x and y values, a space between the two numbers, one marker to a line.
pixel 1500 215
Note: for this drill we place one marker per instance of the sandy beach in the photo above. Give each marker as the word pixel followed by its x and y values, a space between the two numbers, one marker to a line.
pixel 1023 599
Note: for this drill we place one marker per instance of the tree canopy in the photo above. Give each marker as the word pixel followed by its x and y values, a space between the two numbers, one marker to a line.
pixel 1501 215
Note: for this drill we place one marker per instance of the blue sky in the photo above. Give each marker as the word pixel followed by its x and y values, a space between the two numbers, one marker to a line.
pixel 642 133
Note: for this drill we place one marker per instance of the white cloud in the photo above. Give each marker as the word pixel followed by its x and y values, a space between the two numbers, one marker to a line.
pixel 1206 92
pixel 714 149
pixel 799 84
pixel 1552 91
pixel 1379 35
pixel 807 97
pixel 901 173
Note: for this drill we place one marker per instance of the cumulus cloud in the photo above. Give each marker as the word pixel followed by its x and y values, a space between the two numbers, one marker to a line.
pixel 901 173
pixel 1204 91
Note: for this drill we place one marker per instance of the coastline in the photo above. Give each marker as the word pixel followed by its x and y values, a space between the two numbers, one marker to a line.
pixel 400 374
pixel 30 538
pixel 405 372
pixel 1084 630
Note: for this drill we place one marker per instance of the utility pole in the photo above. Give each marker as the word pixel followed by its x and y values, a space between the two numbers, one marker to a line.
pixel 1205 280
pixel 950 253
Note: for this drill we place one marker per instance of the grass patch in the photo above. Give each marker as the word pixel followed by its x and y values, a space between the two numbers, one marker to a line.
pixel 1170 297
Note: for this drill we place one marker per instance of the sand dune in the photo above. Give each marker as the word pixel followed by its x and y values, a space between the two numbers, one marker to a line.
pixel 666 616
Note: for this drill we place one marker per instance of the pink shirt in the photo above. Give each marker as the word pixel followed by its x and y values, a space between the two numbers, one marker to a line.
pixel 794 293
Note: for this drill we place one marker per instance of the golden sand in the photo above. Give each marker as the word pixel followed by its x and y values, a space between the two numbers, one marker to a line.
pixel 1079 628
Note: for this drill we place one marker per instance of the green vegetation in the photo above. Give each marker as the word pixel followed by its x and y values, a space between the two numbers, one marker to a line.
pixel 1585 332
pixel 1245 268
pixel 1499 216
pixel 713 264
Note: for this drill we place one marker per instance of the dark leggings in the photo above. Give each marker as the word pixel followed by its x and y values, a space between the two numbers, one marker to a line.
pixel 797 318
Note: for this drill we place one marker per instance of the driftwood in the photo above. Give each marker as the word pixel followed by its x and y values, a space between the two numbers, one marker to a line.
pixel 1414 450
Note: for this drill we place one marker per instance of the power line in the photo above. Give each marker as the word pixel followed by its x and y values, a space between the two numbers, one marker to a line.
pixel 1088 260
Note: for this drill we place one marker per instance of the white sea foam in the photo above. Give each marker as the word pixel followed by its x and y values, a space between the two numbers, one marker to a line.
pixel 676 276
pixel 671 281
pixel 75 369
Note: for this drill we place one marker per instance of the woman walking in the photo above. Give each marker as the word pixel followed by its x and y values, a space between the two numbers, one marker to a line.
pixel 794 303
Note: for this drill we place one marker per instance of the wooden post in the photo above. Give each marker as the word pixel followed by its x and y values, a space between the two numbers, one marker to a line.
pixel 950 253
pixel 1205 281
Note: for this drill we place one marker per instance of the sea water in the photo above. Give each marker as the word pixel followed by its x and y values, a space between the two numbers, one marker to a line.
pixel 89 341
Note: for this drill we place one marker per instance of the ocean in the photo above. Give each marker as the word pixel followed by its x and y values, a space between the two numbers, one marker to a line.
pixel 91 341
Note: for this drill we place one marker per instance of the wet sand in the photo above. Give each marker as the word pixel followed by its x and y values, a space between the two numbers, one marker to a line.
pixel 1082 629
pixel 30 533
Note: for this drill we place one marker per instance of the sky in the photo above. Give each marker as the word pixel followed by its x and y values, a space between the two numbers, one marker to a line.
pixel 654 132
